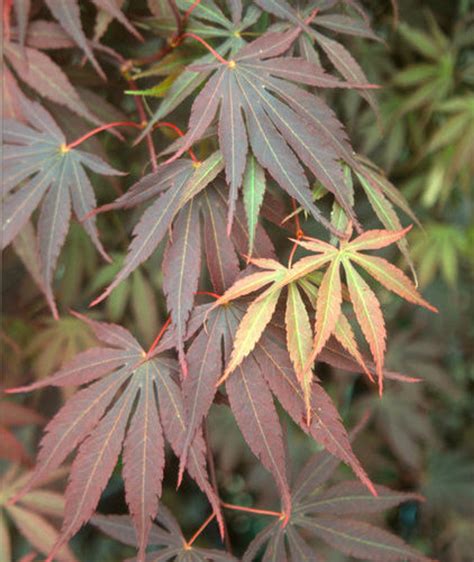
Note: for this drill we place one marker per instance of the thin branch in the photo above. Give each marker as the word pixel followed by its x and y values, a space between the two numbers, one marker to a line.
pixel 188 545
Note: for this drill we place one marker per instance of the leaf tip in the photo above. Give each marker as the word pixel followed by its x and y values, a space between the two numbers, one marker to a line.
pixel 98 300
pixel 13 390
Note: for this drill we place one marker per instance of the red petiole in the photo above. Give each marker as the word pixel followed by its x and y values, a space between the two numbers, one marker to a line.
pixel 206 44
pixel 199 531
pixel 107 126
pixel 208 293
pixel 90 134
pixel 159 336
pixel 253 510
pixel 177 130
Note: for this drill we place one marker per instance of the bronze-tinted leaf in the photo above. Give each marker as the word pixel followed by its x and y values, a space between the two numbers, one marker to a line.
pixel 58 182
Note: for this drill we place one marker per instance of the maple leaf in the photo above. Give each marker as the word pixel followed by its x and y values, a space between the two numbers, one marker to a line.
pixel 68 15
pixel 400 416
pixel 365 303
pixel 188 197
pixel 260 313
pixel 208 21
pixel 383 196
pixel 340 58
pixel 165 536
pixel 55 176
pixel 281 119
pixel 40 72
pixel 329 317
pixel 102 418
pixel 176 185
pixel 267 368
pixel 230 33
pixel 248 393
pixel 322 512
pixel 31 514
pixel 325 425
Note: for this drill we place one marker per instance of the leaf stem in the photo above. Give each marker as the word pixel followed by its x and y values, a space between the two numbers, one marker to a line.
pixel 104 127
pixel 206 44
pixel 253 510
pixel 149 59
pixel 188 545
pixel 159 336
pixel 177 130
pixel 208 293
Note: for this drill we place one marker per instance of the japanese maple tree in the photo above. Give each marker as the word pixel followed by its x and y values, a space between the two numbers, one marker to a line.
pixel 246 213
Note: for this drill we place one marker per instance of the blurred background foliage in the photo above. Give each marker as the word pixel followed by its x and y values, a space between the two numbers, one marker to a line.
pixel 420 436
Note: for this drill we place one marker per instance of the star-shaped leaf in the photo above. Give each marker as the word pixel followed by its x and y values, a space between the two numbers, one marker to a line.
pixel 208 22
pixel 46 173
pixel 329 296
pixel 175 186
pixel 118 409
pixel 265 371
pixel 365 303
pixel 285 125
pixel 324 513
pixel 188 198
pixel 338 55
